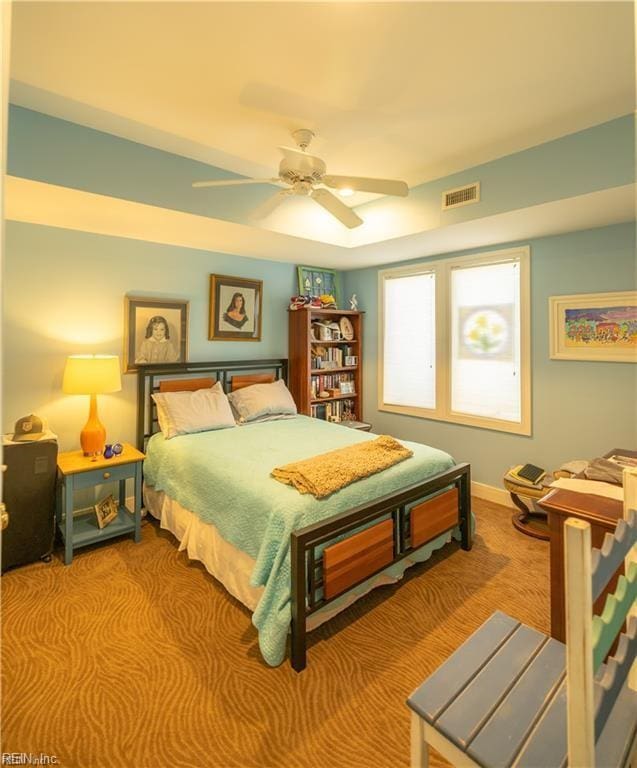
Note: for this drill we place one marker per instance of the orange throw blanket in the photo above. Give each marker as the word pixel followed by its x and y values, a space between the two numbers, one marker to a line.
pixel 328 472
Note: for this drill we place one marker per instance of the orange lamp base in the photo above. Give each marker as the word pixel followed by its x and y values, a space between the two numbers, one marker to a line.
pixel 93 436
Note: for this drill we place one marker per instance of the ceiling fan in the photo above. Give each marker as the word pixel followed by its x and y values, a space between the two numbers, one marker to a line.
pixel 305 174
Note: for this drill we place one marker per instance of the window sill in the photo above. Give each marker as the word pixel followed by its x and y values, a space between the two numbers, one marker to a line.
pixel 497 425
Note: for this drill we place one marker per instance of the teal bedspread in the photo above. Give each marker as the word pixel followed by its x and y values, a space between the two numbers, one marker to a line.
pixel 224 478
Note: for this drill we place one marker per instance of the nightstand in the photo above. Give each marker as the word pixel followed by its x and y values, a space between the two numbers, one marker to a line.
pixel 75 472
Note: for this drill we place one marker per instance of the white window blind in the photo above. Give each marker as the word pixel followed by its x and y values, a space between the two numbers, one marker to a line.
pixel 456 340
pixel 485 341
pixel 409 360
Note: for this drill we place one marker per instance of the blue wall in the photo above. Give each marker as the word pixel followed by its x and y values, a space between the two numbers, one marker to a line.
pixel 58 152
pixel 587 161
pixel 64 294
pixel 64 289
pixel 580 409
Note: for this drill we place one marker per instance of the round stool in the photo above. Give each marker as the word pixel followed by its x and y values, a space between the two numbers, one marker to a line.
pixel 525 518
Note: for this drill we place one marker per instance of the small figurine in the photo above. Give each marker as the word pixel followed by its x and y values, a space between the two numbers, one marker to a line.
pixel 111 450
pixel 353 302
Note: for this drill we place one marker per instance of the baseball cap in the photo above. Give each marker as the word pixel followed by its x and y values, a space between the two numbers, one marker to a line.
pixel 28 428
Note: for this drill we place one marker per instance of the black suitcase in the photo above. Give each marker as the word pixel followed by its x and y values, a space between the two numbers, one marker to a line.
pixel 29 498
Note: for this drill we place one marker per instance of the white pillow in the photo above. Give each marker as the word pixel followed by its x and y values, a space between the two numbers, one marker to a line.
pixel 261 419
pixel 181 413
pixel 258 400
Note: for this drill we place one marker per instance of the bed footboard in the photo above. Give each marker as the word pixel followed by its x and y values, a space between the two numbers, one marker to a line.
pixel 326 562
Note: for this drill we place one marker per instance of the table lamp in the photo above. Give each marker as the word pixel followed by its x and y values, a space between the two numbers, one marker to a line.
pixel 92 375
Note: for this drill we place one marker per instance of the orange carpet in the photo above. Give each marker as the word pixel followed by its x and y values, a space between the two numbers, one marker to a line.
pixel 135 656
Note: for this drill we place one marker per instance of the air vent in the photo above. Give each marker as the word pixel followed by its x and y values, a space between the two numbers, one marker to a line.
pixel 454 198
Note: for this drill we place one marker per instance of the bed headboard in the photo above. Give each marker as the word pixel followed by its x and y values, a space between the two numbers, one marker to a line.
pixel 232 374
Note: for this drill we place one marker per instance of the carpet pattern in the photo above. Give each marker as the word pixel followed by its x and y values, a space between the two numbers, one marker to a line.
pixel 134 655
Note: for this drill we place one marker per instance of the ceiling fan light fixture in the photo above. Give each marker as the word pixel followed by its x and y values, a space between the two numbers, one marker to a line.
pixel 305 175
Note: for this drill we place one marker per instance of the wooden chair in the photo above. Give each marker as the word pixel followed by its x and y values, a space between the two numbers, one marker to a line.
pixel 511 696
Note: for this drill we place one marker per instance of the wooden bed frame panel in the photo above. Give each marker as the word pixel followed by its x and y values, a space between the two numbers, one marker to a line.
pixel 185 385
pixel 307 564
pixel 399 523
pixel 239 382
pixel 350 561
pixel 432 517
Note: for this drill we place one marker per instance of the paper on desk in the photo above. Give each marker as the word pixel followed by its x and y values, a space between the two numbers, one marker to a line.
pixel 590 486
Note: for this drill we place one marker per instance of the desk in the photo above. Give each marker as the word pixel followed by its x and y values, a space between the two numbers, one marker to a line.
pixel 602 514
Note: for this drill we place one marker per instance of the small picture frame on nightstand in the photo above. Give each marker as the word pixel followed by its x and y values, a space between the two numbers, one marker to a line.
pixel 106 511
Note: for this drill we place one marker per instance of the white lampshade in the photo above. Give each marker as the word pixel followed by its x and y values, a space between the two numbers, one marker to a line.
pixel 91 375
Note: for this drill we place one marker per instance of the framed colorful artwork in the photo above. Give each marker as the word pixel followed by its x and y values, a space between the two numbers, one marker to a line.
pixel 594 326
pixel 235 309
pixel 155 331
pixel 315 281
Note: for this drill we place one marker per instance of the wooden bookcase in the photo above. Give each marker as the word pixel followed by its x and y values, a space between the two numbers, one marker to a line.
pixel 310 369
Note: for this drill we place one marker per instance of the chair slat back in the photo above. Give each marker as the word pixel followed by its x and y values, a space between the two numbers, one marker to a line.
pixel 630 503
pixel 617 669
pixel 606 561
pixel 607 626
pixel 579 643
pixel 588 638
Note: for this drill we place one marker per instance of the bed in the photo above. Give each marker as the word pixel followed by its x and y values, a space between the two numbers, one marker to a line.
pixel 291 559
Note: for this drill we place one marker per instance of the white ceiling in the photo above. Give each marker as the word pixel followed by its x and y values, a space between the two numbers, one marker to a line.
pixel 399 90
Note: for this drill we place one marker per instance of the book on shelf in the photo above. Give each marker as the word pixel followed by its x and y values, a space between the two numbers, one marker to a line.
pixel 333 357
pixel 334 410
pixel 323 382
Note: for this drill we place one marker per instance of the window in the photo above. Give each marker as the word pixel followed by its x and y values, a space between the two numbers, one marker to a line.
pixel 455 340
pixel 410 340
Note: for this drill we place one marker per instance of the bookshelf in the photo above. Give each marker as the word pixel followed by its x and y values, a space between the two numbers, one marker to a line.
pixel 318 363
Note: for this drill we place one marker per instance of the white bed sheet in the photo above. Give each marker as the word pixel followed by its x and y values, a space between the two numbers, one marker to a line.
pixel 230 565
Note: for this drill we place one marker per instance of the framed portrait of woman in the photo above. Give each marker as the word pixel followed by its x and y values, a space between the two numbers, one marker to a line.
pixel 156 331
pixel 235 308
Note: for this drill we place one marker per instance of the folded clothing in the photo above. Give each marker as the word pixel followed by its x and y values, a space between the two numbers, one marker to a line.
pixel 328 472
pixel 575 467
pixel 604 470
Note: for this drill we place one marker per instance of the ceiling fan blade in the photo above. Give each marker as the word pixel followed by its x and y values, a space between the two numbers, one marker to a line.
pixel 266 208
pixel 360 184
pixel 233 182
pixel 338 209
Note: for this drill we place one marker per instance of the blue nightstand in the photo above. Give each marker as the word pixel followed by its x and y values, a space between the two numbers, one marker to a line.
pixel 76 471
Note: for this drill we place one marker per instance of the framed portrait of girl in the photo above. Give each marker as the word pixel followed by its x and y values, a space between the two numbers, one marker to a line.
pixel 235 308
pixel 156 331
